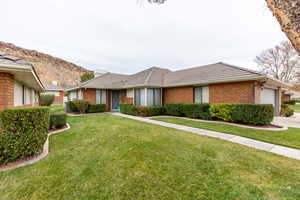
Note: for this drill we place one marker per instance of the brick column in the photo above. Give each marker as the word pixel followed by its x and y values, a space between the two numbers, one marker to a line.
pixel 6 90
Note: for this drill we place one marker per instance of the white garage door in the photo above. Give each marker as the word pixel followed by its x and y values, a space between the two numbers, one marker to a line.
pixel 268 96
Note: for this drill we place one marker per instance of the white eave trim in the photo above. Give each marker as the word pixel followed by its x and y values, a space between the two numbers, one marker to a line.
pixel 22 68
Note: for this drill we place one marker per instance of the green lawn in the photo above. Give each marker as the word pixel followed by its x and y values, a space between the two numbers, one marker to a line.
pixel 296 107
pixel 54 108
pixel 107 157
pixel 289 138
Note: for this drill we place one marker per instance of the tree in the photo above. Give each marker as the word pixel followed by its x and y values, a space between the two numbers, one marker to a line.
pixel 287 14
pixel 87 76
pixel 281 62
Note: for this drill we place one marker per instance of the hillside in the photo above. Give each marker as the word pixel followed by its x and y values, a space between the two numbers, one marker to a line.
pixel 49 68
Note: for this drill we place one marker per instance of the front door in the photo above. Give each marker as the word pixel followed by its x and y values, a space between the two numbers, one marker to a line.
pixel 115 100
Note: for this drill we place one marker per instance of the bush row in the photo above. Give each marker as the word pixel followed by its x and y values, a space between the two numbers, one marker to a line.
pixel 141 110
pixel 198 111
pixel 257 114
pixel 82 106
pixel 23 132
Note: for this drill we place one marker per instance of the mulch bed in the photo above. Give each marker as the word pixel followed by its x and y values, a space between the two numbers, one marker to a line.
pixel 21 161
pixel 56 129
pixel 251 125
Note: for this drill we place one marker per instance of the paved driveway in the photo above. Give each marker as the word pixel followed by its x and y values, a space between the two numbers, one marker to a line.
pixel 293 122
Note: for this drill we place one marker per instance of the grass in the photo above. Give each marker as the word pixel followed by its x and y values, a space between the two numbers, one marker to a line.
pixel 296 107
pixel 289 138
pixel 107 157
pixel 55 108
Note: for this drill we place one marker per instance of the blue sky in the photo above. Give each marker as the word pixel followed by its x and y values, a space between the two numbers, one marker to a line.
pixel 124 37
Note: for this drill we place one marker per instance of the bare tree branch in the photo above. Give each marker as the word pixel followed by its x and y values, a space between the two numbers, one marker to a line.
pixel 282 62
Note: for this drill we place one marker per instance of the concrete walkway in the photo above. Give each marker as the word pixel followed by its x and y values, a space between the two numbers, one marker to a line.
pixel 277 149
pixel 293 122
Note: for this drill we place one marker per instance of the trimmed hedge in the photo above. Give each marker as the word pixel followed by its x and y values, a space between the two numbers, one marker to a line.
pixel 175 109
pixel 286 111
pixel 143 111
pixel 222 111
pixel 291 102
pixel 96 108
pixel 23 132
pixel 257 114
pixel 46 99
pixel 197 111
pixel 58 120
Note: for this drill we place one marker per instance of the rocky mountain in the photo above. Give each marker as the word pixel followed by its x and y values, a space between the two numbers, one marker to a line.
pixel 49 68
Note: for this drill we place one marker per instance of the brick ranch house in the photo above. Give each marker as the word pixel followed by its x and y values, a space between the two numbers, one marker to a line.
pixel 215 83
pixel 19 83
pixel 56 90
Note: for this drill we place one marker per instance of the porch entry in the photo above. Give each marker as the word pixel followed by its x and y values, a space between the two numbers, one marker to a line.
pixel 115 100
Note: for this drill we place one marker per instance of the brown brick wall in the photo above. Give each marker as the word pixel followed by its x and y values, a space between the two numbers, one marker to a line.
pixel 285 97
pixel 89 95
pixel 6 90
pixel 60 98
pixel 124 98
pixel 240 92
pixel 178 95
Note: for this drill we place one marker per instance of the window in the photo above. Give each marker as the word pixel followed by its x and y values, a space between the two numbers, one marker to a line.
pixel 201 94
pixel 153 97
pixel 139 97
pixel 129 93
pixel 80 94
pixel 73 95
pixel 100 96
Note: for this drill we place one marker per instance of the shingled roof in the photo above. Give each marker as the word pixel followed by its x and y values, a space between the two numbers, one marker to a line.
pixel 22 70
pixel 214 73
pixel 6 59
pixel 160 77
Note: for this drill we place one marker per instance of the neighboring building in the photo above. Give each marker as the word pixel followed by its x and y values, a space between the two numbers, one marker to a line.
pixel 215 83
pixel 19 83
pixel 286 96
pixel 56 90
pixel 296 96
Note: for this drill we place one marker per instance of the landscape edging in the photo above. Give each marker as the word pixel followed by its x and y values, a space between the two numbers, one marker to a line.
pixel 283 128
pixel 45 152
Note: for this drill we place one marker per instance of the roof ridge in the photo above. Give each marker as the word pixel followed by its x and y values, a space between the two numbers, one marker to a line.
pixel 149 75
pixel 241 68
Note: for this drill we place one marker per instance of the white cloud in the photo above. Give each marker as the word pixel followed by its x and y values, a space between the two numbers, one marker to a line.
pixel 121 36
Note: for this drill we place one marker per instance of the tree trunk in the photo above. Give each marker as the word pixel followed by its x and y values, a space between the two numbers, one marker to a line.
pixel 287 13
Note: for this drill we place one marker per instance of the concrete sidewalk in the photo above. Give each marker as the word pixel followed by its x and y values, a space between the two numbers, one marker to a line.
pixel 277 149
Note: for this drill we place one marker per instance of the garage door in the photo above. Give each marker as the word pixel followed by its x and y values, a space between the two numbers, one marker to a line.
pixel 268 96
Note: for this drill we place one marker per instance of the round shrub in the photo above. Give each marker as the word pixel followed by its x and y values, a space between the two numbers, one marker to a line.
pixel 58 120
pixel 286 111
pixel 23 132
pixel 81 105
pixel 46 99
